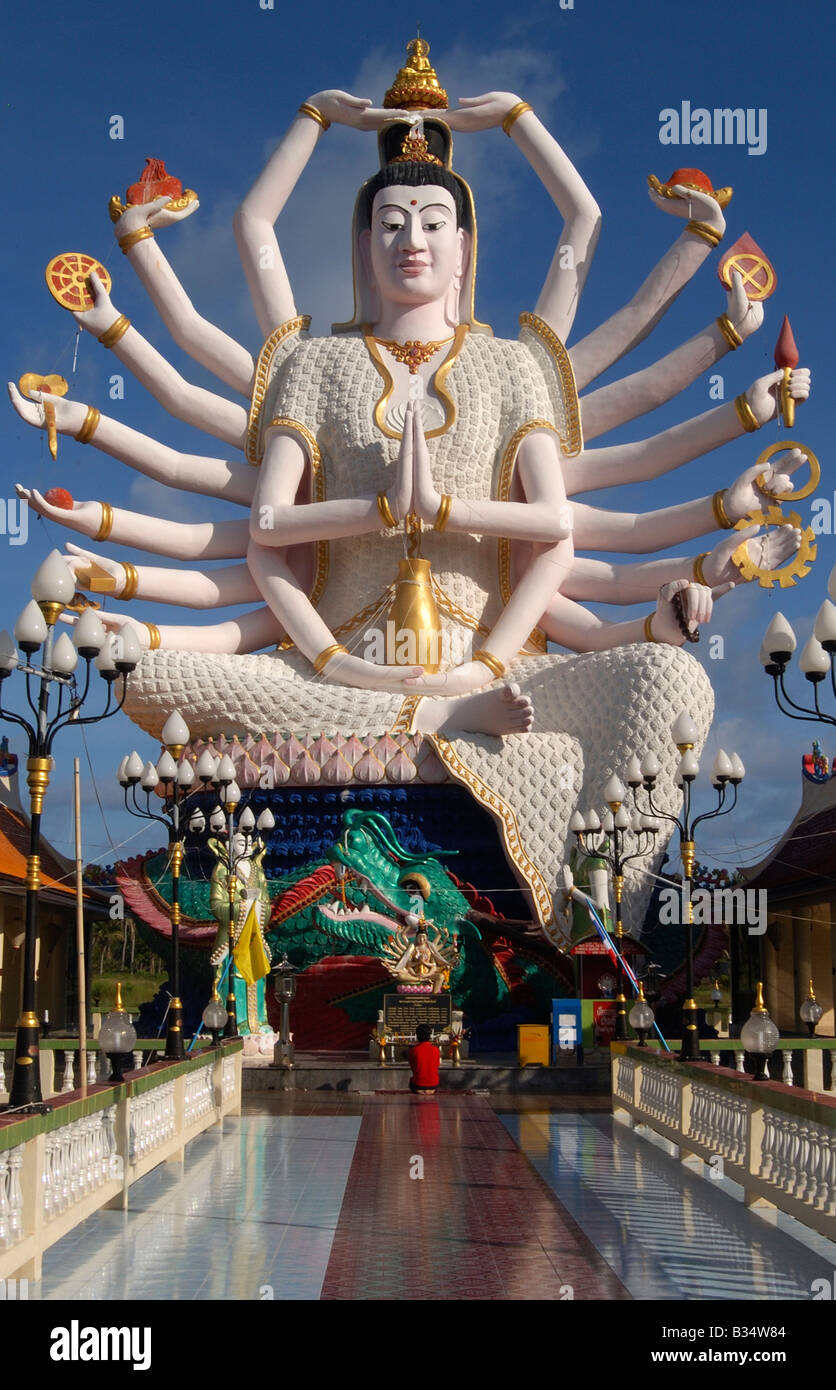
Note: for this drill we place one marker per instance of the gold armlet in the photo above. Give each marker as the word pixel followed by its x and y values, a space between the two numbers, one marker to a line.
pixel 106 524
pixel 718 507
pixel 514 115
pixel 131 580
pixel 648 630
pixel 91 424
pixel 705 232
pixel 117 330
pixel 385 511
pixel 493 663
pixel 443 513
pixel 307 110
pixel 154 634
pixel 321 661
pixel 699 572
pixel 131 238
pixel 729 331
pixel 746 415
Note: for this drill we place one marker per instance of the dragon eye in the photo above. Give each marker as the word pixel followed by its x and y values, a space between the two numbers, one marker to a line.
pixel 415 883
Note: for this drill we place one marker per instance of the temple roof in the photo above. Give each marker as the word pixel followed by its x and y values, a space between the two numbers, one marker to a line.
pixel 57 873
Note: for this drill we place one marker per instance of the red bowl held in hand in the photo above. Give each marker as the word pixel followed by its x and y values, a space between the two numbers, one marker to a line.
pixel 153 183
pixel 59 497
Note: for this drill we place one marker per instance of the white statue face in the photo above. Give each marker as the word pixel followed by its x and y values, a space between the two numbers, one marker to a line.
pixel 241 844
pixel 414 248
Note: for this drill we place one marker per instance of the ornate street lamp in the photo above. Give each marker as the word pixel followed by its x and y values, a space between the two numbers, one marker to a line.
pixel 607 839
pixel 284 988
pixel 641 1017
pixel 53 588
pixel 759 1036
pixel 811 1011
pixel 816 659
pixel 726 772
pixel 117 1036
pixel 177 780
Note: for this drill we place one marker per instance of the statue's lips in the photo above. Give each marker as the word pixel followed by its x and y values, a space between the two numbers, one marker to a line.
pixel 412 268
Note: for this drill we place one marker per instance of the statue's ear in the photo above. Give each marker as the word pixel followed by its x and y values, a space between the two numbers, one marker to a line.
pixel 364 242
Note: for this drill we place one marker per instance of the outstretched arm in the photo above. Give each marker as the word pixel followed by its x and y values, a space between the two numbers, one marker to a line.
pixel 558 301
pixel 203 409
pixel 631 325
pixel 248 633
pixel 661 453
pixel 202 340
pixel 264 268
pixel 181 540
pixel 644 532
pixel 581 631
pixel 217 588
pixel 234 482
pixel 634 395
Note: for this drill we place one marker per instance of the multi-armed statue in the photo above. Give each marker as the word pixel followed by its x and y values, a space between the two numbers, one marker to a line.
pixel 411 543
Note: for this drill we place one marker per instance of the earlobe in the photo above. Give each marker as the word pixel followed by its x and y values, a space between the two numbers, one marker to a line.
pixel 364 242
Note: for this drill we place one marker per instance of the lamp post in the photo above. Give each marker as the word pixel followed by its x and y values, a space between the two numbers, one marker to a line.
pixel 816 661
pixel 641 1017
pixel 284 988
pixel 177 779
pixel 759 1036
pixel 726 772
pixel 52 590
pixel 593 835
pixel 117 1036
pixel 811 1011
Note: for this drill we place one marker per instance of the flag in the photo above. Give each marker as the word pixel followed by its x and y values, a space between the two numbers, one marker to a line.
pixel 251 960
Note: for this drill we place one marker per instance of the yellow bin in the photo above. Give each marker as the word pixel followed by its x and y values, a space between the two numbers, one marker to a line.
pixel 533 1044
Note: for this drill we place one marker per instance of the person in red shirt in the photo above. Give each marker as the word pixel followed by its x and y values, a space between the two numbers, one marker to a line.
pixel 424 1061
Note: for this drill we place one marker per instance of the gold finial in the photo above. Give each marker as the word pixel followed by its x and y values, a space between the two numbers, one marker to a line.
pixel 760 1007
pixel 640 994
pixel 416 86
pixel 811 995
pixel 120 1008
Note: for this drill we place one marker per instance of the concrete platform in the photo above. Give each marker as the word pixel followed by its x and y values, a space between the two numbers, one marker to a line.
pixel 352 1071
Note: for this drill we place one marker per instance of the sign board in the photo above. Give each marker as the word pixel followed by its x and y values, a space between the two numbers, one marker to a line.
pixel 566 1025
pixel 403 1012
pixel 603 1019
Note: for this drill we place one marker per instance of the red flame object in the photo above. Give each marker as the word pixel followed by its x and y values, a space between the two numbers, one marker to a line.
pixel 59 497
pixel 153 183
pixel 786 352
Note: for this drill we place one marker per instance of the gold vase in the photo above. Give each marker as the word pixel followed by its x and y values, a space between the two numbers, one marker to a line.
pixel 413 628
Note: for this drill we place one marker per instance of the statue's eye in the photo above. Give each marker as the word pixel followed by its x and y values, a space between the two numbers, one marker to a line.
pixel 434 226
pixel 415 883
pixel 392 226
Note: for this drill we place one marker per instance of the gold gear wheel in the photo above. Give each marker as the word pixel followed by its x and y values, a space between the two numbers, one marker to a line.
pixel 794 569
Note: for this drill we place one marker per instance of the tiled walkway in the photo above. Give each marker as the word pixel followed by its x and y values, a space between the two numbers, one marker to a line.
pixel 319 1195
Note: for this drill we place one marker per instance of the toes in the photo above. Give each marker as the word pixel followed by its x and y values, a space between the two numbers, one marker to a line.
pixel 510 692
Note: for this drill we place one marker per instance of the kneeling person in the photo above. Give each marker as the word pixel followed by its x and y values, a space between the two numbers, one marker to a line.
pixel 424 1061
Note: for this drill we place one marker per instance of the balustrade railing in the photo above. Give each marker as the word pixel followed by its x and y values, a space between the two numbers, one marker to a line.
pixel 777 1141
pixel 56 1169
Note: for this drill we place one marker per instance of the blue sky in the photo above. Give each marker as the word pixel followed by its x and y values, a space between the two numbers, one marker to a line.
pixel 211 87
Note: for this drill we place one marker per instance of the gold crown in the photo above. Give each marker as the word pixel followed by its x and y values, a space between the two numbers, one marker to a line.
pixel 416 86
pixel 415 150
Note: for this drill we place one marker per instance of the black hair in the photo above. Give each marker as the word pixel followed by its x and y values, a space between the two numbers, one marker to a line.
pixel 423 1032
pixel 410 174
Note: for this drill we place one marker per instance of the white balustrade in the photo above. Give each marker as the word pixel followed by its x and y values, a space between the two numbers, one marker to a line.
pixel 661 1095
pixel 228 1082
pixel 199 1095
pixel 11 1198
pixel 69 1077
pixel 787 1063
pixel 625 1078
pixel 77 1161
pixel 152 1120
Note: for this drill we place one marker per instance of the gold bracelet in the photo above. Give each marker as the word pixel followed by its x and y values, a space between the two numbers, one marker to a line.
pixel 321 661
pixel 91 424
pixel 729 331
pixel 131 580
pixel 131 238
pixel 493 663
pixel 385 511
pixel 699 572
pixel 443 513
pixel 705 232
pixel 106 525
pixel 514 115
pixel 648 630
pixel 117 330
pixel 154 634
pixel 307 110
pixel 746 415
pixel 719 509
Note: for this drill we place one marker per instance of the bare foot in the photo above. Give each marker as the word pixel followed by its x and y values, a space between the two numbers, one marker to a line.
pixel 499 710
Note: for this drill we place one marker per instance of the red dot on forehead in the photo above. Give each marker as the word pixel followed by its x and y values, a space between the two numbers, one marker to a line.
pixel 413 202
